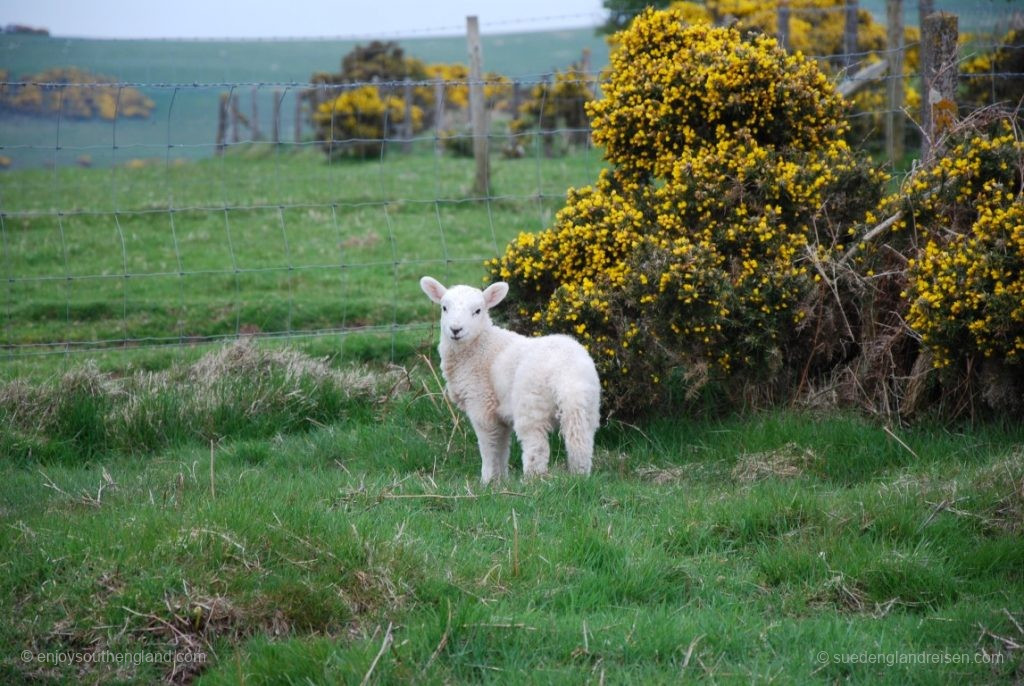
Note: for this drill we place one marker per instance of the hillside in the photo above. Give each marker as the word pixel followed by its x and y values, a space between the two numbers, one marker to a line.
pixel 185 117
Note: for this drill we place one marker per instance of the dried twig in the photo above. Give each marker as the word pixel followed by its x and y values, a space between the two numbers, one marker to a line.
pixel 870 236
pixel 441 496
pixel 388 639
pixel 900 441
pixel 442 643
pixel 689 652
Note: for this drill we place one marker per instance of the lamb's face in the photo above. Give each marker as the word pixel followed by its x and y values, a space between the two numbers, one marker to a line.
pixel 463 314
pixel 463 308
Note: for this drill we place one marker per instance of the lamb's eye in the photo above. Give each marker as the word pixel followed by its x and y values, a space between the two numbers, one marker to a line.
pixel 444 308
pixel 477 311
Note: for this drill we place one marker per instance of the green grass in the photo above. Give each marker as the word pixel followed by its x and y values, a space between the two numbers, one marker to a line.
pixel 336 529
pixel 299 520
pixel 265 242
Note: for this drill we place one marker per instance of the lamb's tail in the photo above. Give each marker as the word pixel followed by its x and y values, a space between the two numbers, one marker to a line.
pixel 579 417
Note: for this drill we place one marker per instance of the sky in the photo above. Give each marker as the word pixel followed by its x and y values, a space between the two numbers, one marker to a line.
pixel 293 18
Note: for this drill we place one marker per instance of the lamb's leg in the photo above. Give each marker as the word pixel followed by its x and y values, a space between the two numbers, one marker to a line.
pixel 578 426
pixel 493 439
pixel 534 439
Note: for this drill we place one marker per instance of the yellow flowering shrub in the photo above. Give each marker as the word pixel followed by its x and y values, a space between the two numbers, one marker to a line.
pixel 675 89
pixel 558 104
pixel 965 290
pixel 354 122
pixel 995 75
pixel 816 28
pixel 79 95
pixel 354 109
pixel 497 88
pixel 691 257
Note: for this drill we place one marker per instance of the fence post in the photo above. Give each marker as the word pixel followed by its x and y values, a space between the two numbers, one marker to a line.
pixel 222 122
pixel 299 96
pixel 924 8
pixel 236 136
pixel 407 128
pixel 254 126
pixel 477 107
pixel 939 34
pixel 783 21
pixel 275 119
pixel 438 115
pixel 850 34
pixel 894 124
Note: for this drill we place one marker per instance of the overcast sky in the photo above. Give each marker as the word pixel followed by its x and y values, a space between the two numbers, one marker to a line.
pixel 292 18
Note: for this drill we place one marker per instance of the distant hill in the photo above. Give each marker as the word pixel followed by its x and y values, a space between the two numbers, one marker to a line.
pixel 202 61
pixel 184 80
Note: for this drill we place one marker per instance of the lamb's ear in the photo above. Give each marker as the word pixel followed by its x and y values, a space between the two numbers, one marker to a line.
pixel 433 288
pixel 495 293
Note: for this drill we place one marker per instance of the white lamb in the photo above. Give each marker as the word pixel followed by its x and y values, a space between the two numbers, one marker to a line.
pixel 505 381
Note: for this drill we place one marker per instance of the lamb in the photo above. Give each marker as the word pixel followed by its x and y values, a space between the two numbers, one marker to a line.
pixel 504 381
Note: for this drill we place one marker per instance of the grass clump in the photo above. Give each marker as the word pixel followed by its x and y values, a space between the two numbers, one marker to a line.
pixel 239 390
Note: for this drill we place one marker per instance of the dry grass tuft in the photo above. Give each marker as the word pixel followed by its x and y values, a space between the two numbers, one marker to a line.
pixel 788 462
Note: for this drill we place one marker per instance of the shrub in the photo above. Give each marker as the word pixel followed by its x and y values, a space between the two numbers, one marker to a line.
pixel 966 285
pixel 995 76
pixel 456 87
pixel 558 104
pixel 75 93
pixel 942 290
pixel 352 118
pixel 355 110
pixel 817 27
pixel 357 120
pixel 694 256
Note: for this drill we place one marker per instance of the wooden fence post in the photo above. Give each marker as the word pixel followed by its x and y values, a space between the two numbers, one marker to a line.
pixel 894 122
pixel 783 21
pixel 275 118
pixel 254 124
pixel 924 8
pixel 236 136
pixel 222 122
pixel 939 34
pixel 407 123
pixel 477 108
pixel 438 115
pixel 850 34
pixel 299 96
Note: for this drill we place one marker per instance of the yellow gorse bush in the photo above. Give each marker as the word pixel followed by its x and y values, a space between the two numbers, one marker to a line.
pixel 994 75
pixel 692 253
pixel 361 117
pixel 817 28
pixel 966 284
pixel 676 88
pixel 560 103
pixel 77 94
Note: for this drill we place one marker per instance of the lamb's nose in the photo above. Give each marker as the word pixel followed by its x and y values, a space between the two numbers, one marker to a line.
pixel 456 330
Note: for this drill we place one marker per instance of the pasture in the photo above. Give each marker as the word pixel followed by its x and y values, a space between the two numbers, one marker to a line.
pixel 265 517
pixel 226 456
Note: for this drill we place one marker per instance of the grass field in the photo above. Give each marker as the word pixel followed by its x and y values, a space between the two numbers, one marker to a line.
pixel 270 520
pixel 262 516
pixel 255 242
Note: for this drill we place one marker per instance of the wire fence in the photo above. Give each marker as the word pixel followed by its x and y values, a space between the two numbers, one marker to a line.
pixel 290 210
